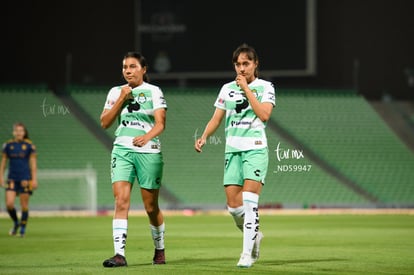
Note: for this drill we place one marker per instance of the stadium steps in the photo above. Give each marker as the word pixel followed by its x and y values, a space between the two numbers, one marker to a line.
pixel 399 115
pixel 62 141
pixel 195 179
pixel 340 129
pixel 345 131
pixel 85 119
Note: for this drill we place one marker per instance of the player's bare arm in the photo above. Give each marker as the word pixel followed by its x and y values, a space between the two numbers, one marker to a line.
pixel 158 128
pixel 262 110
pixel 33 170
pixel 211 127
pixel 2 168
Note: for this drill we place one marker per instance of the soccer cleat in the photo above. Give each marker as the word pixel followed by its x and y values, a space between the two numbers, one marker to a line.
pixel 115 261
pixel 256 246
pixel 159 257
pixel 22 230
pixel 245 261
pixel 13 231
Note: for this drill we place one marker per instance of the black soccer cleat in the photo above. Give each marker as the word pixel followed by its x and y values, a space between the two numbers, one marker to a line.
pixel 115 261
pixel 13 231
pixel 159 257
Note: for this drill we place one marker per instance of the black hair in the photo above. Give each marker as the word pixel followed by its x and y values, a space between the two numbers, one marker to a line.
pixel 141 59
pixel 251 54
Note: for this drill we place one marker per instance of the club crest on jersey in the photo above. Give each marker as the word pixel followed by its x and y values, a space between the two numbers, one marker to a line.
pixel 141 98
pixel 254 91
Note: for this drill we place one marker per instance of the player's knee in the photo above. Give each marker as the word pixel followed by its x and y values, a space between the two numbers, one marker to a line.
pixel 152 209
pixel 121 202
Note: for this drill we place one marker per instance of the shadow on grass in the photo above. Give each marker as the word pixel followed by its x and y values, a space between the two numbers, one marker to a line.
pixel 187 261
pixel 299 261
pixel 207 261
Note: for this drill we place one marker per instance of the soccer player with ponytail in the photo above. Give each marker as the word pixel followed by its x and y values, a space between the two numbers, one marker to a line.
pixel 22 175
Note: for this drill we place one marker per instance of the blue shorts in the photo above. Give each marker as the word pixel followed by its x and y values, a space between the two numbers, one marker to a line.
pixel 20 187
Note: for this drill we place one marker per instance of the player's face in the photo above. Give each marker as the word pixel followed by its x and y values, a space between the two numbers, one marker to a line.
pixel 246 67
pixel 18 132
pixel 133 71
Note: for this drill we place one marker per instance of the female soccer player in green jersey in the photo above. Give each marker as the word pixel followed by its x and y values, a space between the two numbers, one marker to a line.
pixel 140 108
pixel 247 103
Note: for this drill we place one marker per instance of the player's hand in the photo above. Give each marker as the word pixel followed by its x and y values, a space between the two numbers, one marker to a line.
pixel 199 143
pixel 33 184
pixel 24 183
pixel 126 92
pixel 241 81
pixel 139 141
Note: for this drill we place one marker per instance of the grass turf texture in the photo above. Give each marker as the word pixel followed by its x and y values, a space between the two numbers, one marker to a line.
pixel 204 244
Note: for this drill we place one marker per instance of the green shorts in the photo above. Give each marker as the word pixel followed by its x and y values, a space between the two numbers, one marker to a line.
pixel 128 166
pixel 240 166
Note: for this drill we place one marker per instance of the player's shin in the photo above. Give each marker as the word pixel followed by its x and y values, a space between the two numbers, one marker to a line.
pixel 238 215
pixel 23 222
pixel 251 221
pixel 119 232
pixel 157 233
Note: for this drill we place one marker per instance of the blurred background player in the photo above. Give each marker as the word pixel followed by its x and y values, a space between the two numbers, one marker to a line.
pixel 22 175
pixel 141 111
pixel 247 103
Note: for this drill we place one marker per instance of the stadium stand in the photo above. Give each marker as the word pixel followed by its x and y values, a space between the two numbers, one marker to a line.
pixel 61 141
pixel 326 148
pixel 344 130
pixel 196 179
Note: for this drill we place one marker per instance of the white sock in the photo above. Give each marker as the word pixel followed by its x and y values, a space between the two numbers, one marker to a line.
pixel 157 233
pixel 119 233
pixel 251 220
pixel 238 216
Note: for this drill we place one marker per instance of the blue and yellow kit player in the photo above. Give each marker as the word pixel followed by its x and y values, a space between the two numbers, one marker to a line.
pixel 20 153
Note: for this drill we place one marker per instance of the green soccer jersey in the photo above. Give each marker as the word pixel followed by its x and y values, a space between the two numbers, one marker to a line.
pixel 137 116
pixel 244 130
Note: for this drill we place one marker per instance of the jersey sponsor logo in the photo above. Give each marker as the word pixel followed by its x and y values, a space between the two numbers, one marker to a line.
pixel 271 96
pixel 133 106
pixel 241 122
pixel 241 105
pixel 132 123
pixel 162 100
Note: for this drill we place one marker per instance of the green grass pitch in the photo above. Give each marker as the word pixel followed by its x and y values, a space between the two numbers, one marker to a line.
pixel 211 244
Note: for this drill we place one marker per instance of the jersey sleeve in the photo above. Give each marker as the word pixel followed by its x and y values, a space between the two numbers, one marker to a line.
pixel 33 149
pixel 112 97
pixel 158 99
pixel 221 99
pixel 269 94
pixel 3 149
